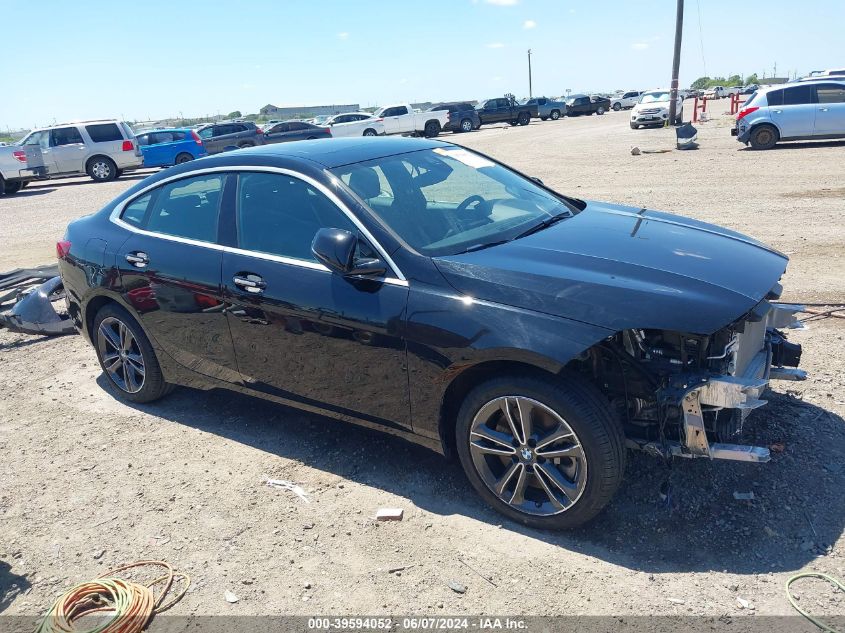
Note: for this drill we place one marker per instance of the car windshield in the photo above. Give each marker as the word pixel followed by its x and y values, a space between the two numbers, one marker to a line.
pixel 654 97
pixel 449 200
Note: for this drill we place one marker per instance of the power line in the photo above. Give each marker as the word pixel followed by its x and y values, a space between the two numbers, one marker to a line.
pixel 701 36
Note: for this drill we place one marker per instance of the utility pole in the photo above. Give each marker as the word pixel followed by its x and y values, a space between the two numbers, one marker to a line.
pixel 676 63
pixel 529 75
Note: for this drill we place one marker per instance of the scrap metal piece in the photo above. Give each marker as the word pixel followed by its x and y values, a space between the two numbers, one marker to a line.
pixel 785 315
pixel 787 373
pixel 695 435
pixel 732 452
pixel 34 313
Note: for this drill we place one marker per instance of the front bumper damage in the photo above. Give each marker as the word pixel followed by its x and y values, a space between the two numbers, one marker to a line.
pixel 693 394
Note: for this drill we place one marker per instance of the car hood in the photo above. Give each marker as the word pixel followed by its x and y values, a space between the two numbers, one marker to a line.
pixel 621 267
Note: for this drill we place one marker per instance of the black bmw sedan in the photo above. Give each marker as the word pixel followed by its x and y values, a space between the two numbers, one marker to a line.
pixel 431 292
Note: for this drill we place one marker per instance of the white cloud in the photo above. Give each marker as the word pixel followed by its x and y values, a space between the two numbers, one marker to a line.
pixel 529 24
pixel 495 45
pixel 639 46
pixel 502 3
pixel 343 36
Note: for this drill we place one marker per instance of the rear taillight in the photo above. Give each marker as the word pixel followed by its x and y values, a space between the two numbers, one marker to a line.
pixel 20 155
pixel 62 248
pixel 746 111
pixel 328 131
pixel 196 137
pixel 259 130
pixel 128 146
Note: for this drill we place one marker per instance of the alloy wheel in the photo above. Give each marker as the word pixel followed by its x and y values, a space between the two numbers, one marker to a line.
pixel 101 170
pixel 528 455
pixel 466 125
pixel 121 355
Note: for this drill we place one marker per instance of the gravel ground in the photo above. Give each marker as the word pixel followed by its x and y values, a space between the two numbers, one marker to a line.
pixel 89 482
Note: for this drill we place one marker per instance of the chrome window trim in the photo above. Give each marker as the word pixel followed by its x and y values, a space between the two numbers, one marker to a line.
pixel 115 218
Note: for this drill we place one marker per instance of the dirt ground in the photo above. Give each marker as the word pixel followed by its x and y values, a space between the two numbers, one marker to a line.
pixel 89 482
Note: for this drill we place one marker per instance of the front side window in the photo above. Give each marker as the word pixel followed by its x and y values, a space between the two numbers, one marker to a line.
pixel 42 139
pixel 830 93
pixel 188 208
pixel 280 215
pixel 206 132
pixel 449 200
pixel 65 136
pixel 104 132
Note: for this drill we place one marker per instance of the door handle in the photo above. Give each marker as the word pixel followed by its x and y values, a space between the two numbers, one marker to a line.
pixel 250 282
pixel 138 259
pixel 778 111
pixel 822 109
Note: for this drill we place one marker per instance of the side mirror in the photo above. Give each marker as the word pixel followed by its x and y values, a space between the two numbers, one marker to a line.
pixel 335 248
pixel 537 180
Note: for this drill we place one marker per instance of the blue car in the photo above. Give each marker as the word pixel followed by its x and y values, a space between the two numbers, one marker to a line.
pixel 163 148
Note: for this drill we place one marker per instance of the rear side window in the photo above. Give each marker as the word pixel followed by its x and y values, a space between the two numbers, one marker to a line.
pixel 104 132
pixel 188 208
pixel 798 95
pixel 830 93
pixel 136 210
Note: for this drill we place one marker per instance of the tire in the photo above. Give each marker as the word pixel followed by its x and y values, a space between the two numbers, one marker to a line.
pixel 592 469
pixel 544 118
pixel 126 380
pixel 11 188
pixel 119 173
pixel 246 144
pixel 184 157
pixel 524 118
pixel 634 126
pixel 432 129
pixel 600 110
pixel 617 107
pixel 370 132
pixel 763 137
pixel 101 169
pixel 555 115
pixel 466 125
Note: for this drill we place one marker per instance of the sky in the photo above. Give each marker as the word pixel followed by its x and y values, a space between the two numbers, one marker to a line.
pixel 73 59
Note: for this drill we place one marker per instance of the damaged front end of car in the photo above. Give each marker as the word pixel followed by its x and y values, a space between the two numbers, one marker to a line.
pixel 688 395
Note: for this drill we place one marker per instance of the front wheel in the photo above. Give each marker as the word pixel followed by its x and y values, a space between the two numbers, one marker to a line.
pixel 548 453
pixel 617 107
pixel 126 356
pixel 184 157
pixel 555 115
pixel 101 169
pixel 369 132
pixel 634 126
pixel 600 111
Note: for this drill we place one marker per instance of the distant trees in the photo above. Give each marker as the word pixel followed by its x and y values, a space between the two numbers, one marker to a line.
pixel 734 80
pixel 234 115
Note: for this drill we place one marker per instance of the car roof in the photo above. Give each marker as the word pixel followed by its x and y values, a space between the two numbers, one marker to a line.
pixel 68 123
pixel 339 151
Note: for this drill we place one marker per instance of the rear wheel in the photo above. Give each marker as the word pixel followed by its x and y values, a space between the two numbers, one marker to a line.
pixel 466 125
pixel 184 157
pixel 432 128
pixel 600 110
pixel 126 356
pixel 548 453
pixel 523 118
pixel 101 169
pixel 246 144
pixel 544 118
pixel 617 107
pixel 10 188
pixel 555 115
pixel 370 132
pixel 763 137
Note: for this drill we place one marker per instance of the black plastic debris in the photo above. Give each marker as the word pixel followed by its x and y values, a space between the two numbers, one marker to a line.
pixel 686 136
pixel 27 296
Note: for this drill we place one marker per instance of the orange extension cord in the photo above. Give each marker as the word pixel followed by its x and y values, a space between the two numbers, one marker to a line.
pixel 132 605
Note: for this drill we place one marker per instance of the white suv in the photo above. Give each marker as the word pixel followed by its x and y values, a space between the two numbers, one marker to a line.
pixel 102 149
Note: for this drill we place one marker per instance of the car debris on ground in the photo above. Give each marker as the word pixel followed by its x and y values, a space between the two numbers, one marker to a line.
pixel 27 296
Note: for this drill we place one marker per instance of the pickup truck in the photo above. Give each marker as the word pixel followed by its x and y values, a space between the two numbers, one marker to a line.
pixel 582 104
pixel 545 108
pixel 17 167
pixel 403 119
pixel 504 110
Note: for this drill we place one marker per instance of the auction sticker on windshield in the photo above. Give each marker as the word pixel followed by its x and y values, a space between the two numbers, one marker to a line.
pixel 467 158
